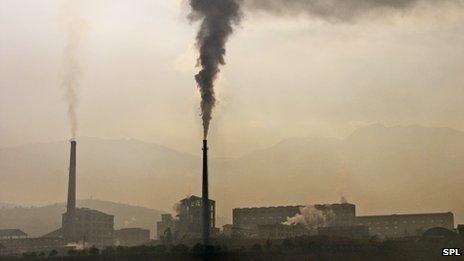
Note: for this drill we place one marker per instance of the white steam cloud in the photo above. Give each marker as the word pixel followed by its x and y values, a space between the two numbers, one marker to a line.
pixel 311 217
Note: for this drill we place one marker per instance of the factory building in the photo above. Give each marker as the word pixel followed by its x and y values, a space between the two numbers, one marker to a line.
pixel 131 236
pixel 15 246
pixel 391 226
pixel 250 218
pixel 338 214
pixel 358 232
pixel 3 250
pixel 187 223
pixel 280 231
pixel 15 241
pixel 339 220
pixel 189 214
pixel 12 234
pixel 87 225
pixel 460 229
pixel 166 224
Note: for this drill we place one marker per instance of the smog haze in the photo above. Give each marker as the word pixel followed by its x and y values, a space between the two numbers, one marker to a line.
pixel 310 106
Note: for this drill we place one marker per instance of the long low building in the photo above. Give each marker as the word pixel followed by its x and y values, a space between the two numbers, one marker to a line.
pixel 334 214
pixel 12 234
pixel 251 218
pixel 131 236
pixel 22 245
pixel 340 217
pixel 404 225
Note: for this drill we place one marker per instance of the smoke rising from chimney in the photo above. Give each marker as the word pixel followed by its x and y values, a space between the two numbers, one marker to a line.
pixel 71 68
pixel 310 217
pixel 218 18
pixel 333 10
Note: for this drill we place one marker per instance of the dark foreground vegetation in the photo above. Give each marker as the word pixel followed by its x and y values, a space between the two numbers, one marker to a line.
pixel 300 248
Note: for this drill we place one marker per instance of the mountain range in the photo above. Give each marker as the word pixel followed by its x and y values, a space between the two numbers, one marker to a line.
pixel 383 170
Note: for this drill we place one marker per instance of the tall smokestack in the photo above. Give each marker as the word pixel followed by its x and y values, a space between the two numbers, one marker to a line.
pixel 205 197
pixel 72 179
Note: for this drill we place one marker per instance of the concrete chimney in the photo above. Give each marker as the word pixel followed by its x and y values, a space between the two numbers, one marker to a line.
pixel 206 216
pixel 71 206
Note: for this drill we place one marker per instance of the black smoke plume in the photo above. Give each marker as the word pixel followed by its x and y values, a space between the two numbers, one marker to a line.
pixel 218 18
pixel 334 10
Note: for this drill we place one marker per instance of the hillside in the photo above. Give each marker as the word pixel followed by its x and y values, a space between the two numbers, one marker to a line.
pixel 37 221
pixel 401 169
pixel 118 170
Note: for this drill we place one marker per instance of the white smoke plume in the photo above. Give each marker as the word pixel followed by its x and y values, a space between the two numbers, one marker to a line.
pixel 311 217
pixel 132 220
pixel 343 200
pixel 71 73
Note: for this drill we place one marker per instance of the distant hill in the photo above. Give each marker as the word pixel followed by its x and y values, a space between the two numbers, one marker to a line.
pixel 400 169
pixel 383 170
pixel 119 170
pixel 37 221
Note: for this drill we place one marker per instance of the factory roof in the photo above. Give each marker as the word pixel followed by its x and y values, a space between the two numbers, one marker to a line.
pixel 91 211
pixel 405 215
pixel 263 208
pixel 193 198
pixel 297 206
pixel 55 233
pixel 12 233
pixel 133 229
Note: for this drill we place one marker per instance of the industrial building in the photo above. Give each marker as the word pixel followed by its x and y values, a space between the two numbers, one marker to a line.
pixel 278 231
pixel 460 229
pixel 90 226
pixel 188 221
pixel 22 245
pixel 391 226
pixel 167 222
pixel 342 214
pixel 15 241
pixel 250 218
pixel 339 220
pixel 3 250
pixel 12 234
pixel 131 236
pixel 358 232
pixel 83 224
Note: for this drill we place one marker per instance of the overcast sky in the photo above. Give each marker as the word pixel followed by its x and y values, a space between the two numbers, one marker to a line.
pixel 284 77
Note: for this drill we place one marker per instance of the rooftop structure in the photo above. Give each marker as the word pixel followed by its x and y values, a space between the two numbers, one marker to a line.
pixel 190 213
pixel 188 221
pixel 12 233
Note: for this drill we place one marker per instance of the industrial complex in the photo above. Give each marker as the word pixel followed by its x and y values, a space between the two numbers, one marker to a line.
pixel 195 221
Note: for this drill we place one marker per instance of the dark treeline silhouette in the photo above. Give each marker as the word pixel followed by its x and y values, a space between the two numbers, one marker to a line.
pixel 299 248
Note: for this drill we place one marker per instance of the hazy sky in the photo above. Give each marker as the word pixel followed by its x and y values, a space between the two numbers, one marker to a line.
pixel 284 77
